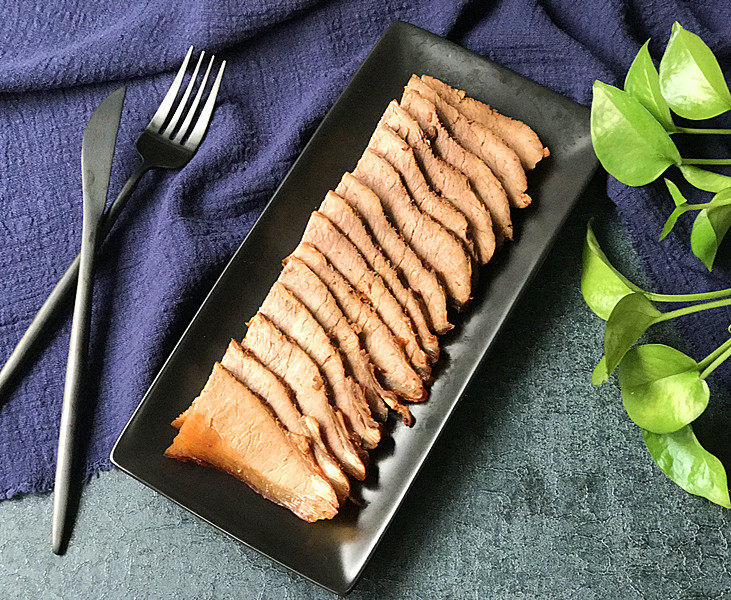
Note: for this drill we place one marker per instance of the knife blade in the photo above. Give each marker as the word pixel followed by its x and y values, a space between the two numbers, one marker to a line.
pixel 97 154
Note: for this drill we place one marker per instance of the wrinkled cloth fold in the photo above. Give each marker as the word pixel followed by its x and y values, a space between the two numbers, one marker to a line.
pixel 287 62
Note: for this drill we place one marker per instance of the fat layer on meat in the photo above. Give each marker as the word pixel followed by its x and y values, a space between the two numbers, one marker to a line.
pixel 230 429
pixel 279 397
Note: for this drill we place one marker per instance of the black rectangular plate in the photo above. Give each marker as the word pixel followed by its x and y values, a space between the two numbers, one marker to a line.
pixel 334 553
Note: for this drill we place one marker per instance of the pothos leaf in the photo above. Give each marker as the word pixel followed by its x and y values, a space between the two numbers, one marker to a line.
pixel 675 193
pixel 643 83
pixel 661 388
pixel 690 77
pixel 722 198
pixel 705 180
pixel 681 206
pixel 600 374
pixel 631 145
pixel 681 457
pixel 630 318
pixel 708 231
pixel 601 284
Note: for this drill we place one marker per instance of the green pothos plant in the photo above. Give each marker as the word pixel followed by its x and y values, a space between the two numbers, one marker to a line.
pixel 663 389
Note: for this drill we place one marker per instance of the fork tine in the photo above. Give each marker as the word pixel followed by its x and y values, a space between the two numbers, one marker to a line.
pixel 204 119
pixel 193 107
pixel 184 100
pixel 167 102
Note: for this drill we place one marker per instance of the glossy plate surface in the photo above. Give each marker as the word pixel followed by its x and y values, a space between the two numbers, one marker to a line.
pixel 334 553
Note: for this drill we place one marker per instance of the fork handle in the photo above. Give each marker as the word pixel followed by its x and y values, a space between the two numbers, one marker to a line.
pixel 61 296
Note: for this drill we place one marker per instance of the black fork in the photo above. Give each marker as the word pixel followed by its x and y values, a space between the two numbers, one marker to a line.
pixel 169 141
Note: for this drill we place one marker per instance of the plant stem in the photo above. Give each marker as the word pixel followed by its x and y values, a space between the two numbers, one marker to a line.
pixel 689 207
pixel 705 161
pixel 688 297
pixel 687 310
pixel 716 363
pixel 698 131
pixel 714 355
pixel 712 204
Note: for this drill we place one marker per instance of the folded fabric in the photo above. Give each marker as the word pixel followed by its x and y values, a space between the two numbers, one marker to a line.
pixel 287 62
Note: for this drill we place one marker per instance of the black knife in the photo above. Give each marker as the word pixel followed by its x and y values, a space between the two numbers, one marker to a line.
pixel 97 152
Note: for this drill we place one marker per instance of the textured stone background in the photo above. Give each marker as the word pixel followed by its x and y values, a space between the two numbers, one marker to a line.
pixel 540 487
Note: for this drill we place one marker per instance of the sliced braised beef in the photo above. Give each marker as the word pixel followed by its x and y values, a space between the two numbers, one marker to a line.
pixel 299 279
pixel 397 152
pixel 477 138
pixel 451 183
pixel 487 187
pixel 516 134
pixel 386 353
pixel 342 215
pixel 279 397
pixel 283 309
pixel 349 328
pixel 265 384
pixel 432 243
pixel 344 256
pixel 419 277
pixel 296 368
pixel 230 429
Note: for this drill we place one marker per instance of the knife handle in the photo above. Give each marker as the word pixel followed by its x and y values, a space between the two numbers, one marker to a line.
pixel 72 393
pixel 60 297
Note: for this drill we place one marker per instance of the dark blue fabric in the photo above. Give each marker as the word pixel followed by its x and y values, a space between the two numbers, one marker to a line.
pixel 288 61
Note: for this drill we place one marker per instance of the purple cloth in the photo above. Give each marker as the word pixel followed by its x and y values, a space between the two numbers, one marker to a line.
pixel 287 62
